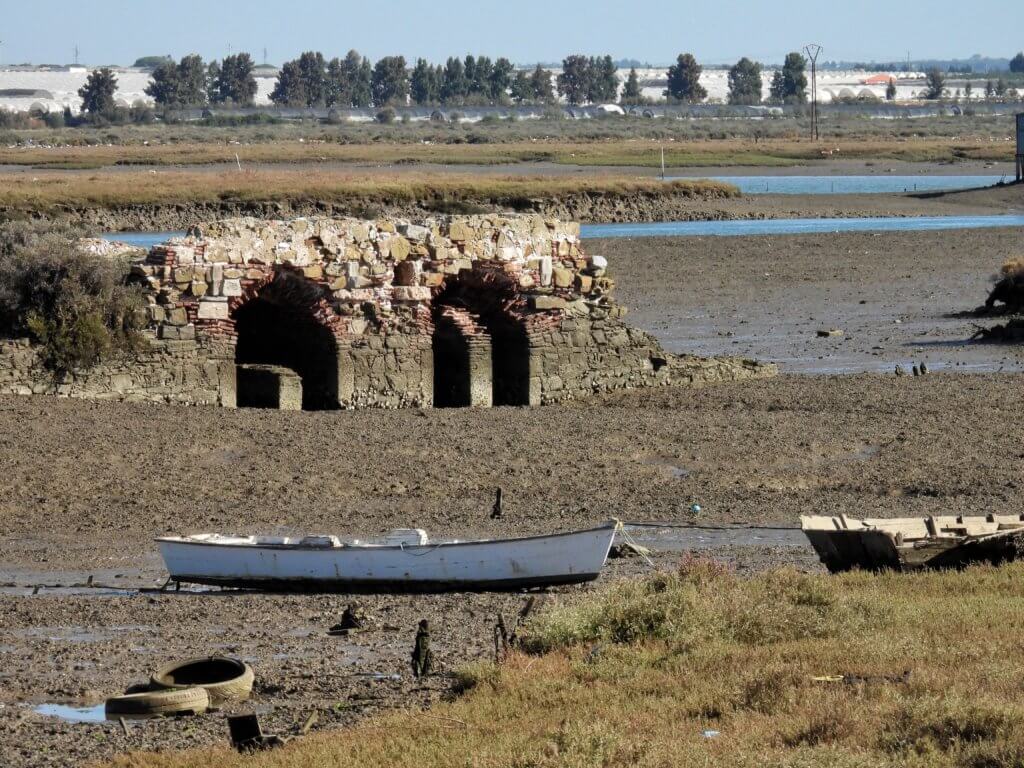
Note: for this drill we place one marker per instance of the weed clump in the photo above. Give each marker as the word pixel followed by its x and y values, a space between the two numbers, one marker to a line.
pixel 701 602
pixel 1009 287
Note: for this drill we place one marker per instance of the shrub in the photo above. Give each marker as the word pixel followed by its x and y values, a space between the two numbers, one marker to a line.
pixel 386 116
pixel 76 305
pixel 700 603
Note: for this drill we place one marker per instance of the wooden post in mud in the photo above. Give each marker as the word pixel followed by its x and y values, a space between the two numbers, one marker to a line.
pixel 422 657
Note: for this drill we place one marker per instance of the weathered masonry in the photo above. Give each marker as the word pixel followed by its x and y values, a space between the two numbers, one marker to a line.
pixel 344 313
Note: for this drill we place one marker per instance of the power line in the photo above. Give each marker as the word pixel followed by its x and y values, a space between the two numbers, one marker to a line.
pixel 813 51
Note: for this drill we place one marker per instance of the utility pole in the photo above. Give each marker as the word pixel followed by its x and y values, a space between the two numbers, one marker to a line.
pixel 813 50
pixel 264 55
pixel 76 55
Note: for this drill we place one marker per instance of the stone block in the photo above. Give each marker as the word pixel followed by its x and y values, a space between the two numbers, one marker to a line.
pixel 406 273
pixel 232 287
pixel 414 232
pixel 459 231
pixel 198 288
pixel 547 302
pixel 213 308
pixel 584 283
pixel 412 293
pixel 562 277
pixel 177 316
pixel 399 248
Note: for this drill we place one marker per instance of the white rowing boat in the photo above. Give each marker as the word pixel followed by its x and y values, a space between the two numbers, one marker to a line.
pixel 402 560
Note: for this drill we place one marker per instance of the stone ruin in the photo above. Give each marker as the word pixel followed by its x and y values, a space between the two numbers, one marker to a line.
pixel 321 313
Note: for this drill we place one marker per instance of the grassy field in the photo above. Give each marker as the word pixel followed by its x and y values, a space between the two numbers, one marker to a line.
pixel 702 667
pixel 602 152
pixel 48 190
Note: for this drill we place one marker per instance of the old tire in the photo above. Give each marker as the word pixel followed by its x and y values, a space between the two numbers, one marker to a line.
pixel 177 701
pixel 225 680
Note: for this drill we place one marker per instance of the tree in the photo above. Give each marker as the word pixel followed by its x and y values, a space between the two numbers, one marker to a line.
pixel 362 84
pixel 543 85
pixel 290 89
pixel 151 62
pixel 303 82
pixel 482 78
pixel 522 87
pixel 1001 87
pixel 98 92
pixel 453 84
pixel 338 88
pixel 789 84
pixel 192 81
pixel 604 80
pixel 313 71
pixel 968 90
pixel 745 82
pixel 163 84
pixel 181 85
pixel 684 80
pixel 574 83
pixel 233 80
pixel 1017 63
pixel 390 83
pixel 935 84
pixel 500 80
pixel 421 83
pixel 990 89
pixel 631 93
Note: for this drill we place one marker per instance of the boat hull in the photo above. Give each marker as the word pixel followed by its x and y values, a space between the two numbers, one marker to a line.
pixel 568 558
pixel 909 544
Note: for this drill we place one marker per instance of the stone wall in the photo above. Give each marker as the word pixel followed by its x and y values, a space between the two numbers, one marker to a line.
pixel 447 311
pixel 181 372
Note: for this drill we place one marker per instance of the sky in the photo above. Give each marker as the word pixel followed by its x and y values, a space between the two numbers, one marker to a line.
pixel 525 31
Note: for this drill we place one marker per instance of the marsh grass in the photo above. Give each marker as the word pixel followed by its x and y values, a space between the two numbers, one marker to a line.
pixel 631 151
pixel 705 667
pixel 45 191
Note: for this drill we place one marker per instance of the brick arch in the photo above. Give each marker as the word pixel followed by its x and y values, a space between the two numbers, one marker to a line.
pixel 284 320
pixel 488 308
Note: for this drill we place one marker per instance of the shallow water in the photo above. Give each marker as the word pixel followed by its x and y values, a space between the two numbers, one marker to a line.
pixel 96 714
pixel 665 538
pixel 798 226
pixel 855 185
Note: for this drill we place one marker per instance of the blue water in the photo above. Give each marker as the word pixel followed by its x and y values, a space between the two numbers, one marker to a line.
pixel 797 226
pixel 852 185
pixel 94 714
pixel 141 239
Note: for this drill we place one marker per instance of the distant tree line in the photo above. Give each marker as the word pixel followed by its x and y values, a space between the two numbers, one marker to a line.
pixel 354 81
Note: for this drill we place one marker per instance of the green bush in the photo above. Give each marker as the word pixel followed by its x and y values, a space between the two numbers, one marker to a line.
pixel 76 305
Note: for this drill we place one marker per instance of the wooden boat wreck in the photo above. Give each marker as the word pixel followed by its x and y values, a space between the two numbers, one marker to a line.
pixel 403 560
pixel 906 544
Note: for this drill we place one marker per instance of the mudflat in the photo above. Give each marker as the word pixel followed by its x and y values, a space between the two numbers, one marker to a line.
pixel 898 298
pixel 87 485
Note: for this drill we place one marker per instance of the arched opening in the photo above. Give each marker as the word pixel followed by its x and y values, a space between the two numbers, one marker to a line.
pixel 452 385
pixel 510 361
pixel 279 328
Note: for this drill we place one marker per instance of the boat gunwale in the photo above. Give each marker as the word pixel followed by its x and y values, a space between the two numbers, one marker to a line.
pixel 612 525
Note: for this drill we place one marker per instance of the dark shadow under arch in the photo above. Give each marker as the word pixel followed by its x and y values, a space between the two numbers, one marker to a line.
pixel 279 327
pixel 510 361
pixel 452 375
